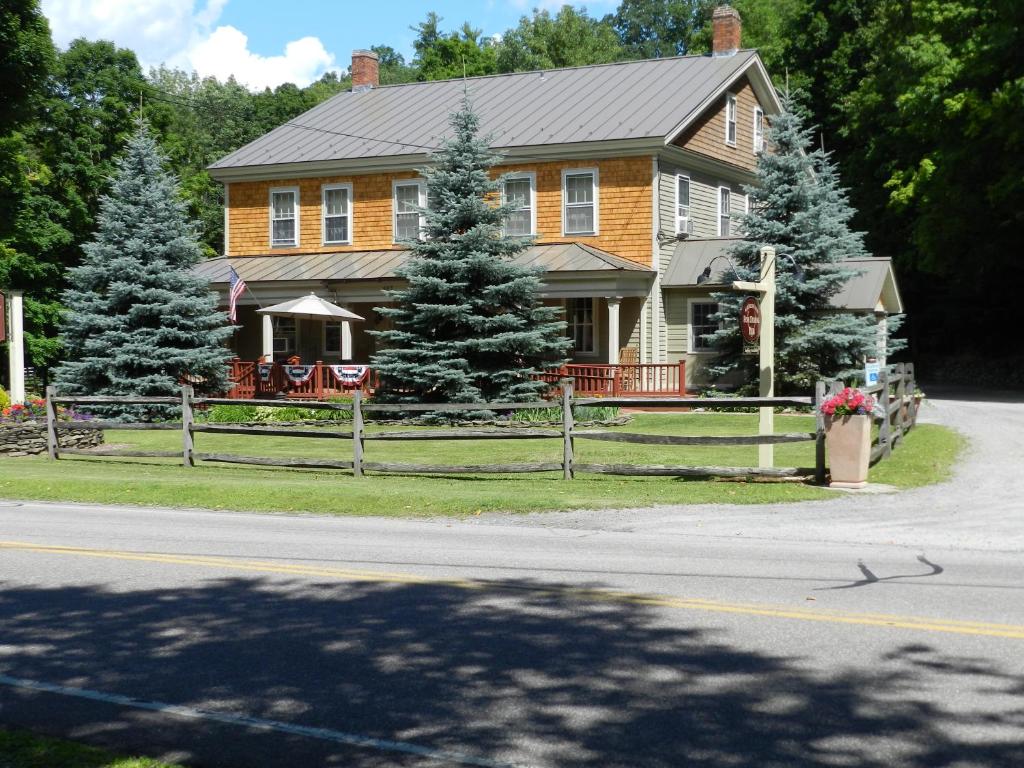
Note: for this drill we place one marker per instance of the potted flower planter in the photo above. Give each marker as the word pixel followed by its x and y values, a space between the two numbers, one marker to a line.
pixel 848 417
pixel 848 439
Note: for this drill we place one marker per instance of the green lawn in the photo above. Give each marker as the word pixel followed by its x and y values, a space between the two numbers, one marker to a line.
pixel 20 749
pixel 926 457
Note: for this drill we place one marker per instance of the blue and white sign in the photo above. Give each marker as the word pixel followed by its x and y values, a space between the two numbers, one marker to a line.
pixel 871 372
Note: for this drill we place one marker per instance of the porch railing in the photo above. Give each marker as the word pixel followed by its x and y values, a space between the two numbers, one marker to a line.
pixel 250 385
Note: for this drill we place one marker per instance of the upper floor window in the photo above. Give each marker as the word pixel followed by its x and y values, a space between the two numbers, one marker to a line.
pixel 337 213
pixel 284 217
pixel 730 118
pixel 579 196
pixel 409 200
pixel 684 224
pixel 724 212
pixel 758 129
pixel 519 192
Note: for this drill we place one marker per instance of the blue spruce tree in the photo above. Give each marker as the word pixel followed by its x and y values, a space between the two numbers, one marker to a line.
pixel 137 319
pixel 799 208
pixel 469 327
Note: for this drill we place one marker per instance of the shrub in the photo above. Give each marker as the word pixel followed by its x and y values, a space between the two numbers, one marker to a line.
pixel 5 399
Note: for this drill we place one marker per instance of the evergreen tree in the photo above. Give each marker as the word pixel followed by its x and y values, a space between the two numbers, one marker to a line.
pixel 469 327
pixel 799 208
pixel 137 319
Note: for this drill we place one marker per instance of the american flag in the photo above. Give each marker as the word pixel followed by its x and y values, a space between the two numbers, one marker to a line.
pixel 237 289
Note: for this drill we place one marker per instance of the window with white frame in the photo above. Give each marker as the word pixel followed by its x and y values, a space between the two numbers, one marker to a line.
pixel 332 338
pixel 683 221
pixel 337 213
pixel 701 325
pixel 579 196
pixel 758 129
pixel 730 118
pixel 284 217
pixel 724 212
pixel 285 335
pixel 580 320
pixel 518 192
pixel 408 202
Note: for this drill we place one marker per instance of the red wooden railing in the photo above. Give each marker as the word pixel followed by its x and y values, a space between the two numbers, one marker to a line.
pixel 636 380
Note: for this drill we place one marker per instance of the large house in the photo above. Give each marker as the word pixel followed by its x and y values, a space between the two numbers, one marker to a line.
pixel 628 176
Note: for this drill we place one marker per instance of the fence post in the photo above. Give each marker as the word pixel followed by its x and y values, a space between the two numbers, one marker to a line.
pixel 912 386
pixel 52 445
pixel 682 378
pixel 820 391
pixel 187 419
pixel 567 425
pixel 885 428
pixel 357 433
pixel 901 393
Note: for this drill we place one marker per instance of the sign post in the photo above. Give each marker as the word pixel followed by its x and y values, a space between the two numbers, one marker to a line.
pixel 766 334
pixel 16 346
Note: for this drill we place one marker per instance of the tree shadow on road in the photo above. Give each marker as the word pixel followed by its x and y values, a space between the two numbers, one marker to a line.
pixel 513 673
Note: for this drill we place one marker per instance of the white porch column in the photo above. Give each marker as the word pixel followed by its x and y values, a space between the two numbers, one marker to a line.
pixel 16 345
pixel 613 329
pixel 346 340
pixel 268 337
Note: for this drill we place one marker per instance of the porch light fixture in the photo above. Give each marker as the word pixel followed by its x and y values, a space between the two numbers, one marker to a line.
pixel 704 276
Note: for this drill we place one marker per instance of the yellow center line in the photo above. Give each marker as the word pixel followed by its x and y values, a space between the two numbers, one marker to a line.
pixel 920 623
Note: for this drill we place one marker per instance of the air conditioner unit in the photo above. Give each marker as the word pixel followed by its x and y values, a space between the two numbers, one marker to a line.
pixel 685 227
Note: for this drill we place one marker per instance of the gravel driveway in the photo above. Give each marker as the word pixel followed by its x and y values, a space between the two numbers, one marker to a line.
pixel 982 507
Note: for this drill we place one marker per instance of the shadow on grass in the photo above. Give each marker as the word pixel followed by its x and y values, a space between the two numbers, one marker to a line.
pixel 514 674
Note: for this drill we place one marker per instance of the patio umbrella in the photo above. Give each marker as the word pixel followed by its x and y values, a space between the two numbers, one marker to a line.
pixel 310 307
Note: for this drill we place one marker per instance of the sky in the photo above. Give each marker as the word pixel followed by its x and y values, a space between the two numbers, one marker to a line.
pixel 264 43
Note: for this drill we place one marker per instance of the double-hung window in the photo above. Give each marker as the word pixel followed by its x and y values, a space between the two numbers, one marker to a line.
pixel 337 214
pixel 701 324
pixel 724 212
pixel 730 119
pixel 518 193
pixel 579 196
pixel 580 317
pixel 408 204
pixel 758 129
pixel 284 217
pixel 684 224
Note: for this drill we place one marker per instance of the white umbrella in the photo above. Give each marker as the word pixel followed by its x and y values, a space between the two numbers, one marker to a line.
pixel 310 307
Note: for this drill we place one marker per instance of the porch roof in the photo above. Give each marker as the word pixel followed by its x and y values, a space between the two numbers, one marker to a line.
pixel 382 265
pixel 876 283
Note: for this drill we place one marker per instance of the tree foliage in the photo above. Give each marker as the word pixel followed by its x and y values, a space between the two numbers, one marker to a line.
pixel 571 38
pixel 469 327
pixel 441 56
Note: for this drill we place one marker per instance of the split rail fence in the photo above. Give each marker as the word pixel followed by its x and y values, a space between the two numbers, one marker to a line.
pixel 891 431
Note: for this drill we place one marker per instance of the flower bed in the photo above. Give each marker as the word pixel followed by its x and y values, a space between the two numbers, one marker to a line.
pixel 23 429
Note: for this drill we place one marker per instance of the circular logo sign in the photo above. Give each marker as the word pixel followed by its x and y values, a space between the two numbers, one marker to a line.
pixel 750 320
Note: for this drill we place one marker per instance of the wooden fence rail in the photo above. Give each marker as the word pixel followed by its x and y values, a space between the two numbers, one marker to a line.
pixel 899 416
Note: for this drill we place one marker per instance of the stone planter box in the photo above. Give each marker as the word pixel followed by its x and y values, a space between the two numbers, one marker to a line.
pixel 848 439
pixel 29 437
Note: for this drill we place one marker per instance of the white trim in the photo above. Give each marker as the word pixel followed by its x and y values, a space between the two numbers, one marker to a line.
pixel 731 101
pixel 595 328
pixel 270 216
pixel 718 205
pixel 227 218
pixel 395 184
pixel 646 326
pixel 596 202
pixel 324 189
pixel 758 128
pixel 531 176
pixel 690 302
pixel 689 197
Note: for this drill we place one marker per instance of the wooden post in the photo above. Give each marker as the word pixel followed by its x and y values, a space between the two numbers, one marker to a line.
pixel 901 393
pixel 567 426
pixel 357 433
pixel 885 428
pixel 682 378
pixel 820 392
pixel 912 386
pixel 318 372
pixel 187 420
pixel 52 446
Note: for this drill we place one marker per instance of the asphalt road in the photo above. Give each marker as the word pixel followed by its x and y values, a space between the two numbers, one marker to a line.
pixel 224 639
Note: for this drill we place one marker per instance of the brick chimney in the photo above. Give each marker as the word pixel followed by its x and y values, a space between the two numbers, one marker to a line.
pixel 725 26
pixel 365 70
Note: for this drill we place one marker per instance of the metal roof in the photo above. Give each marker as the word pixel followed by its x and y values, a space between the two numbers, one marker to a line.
pixel 382 265
pixel 875 283
pixel 625 100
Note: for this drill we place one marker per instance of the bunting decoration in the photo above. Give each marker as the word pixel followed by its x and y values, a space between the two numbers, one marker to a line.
pixel 265 369
pixel 298 374
pixel 349 375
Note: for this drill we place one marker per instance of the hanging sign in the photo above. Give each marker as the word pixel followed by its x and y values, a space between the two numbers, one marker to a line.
pixel 265 370
pixel 349 375
pixel 872 370
pixel 750 320
pixel 299 374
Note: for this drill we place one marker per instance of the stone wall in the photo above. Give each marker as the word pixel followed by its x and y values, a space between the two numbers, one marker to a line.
pixel 29 437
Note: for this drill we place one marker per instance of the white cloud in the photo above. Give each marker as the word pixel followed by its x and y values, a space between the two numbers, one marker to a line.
pixel 181 33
